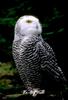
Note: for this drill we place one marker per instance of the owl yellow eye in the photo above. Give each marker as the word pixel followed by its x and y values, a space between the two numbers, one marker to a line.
pixel 29 21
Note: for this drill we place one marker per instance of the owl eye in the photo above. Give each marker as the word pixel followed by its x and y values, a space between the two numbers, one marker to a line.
pixel 29 21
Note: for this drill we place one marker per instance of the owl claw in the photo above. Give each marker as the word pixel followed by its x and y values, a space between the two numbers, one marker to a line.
pixel 25 92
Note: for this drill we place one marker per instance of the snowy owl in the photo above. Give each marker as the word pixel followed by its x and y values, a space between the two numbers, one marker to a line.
pixel 33 56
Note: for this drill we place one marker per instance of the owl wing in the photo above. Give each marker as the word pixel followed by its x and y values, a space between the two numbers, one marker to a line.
pixel 49 63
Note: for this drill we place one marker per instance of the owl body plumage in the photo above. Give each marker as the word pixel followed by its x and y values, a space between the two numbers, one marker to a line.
pixel 32 55
pixel 27 60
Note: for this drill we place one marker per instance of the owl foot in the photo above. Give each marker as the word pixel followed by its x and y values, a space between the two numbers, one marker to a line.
pixel 35 92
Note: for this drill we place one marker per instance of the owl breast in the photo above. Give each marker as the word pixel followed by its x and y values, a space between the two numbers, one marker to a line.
pixel 27 61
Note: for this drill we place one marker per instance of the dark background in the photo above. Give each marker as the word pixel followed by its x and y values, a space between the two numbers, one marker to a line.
pixel 51 16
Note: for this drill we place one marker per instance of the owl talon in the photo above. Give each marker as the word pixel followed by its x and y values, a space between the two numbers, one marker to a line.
pixel 25 92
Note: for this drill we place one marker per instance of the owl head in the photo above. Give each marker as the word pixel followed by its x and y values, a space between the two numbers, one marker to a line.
pixel 28 25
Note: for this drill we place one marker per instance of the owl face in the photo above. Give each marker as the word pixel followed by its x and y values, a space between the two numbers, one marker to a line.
pixel 29 25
